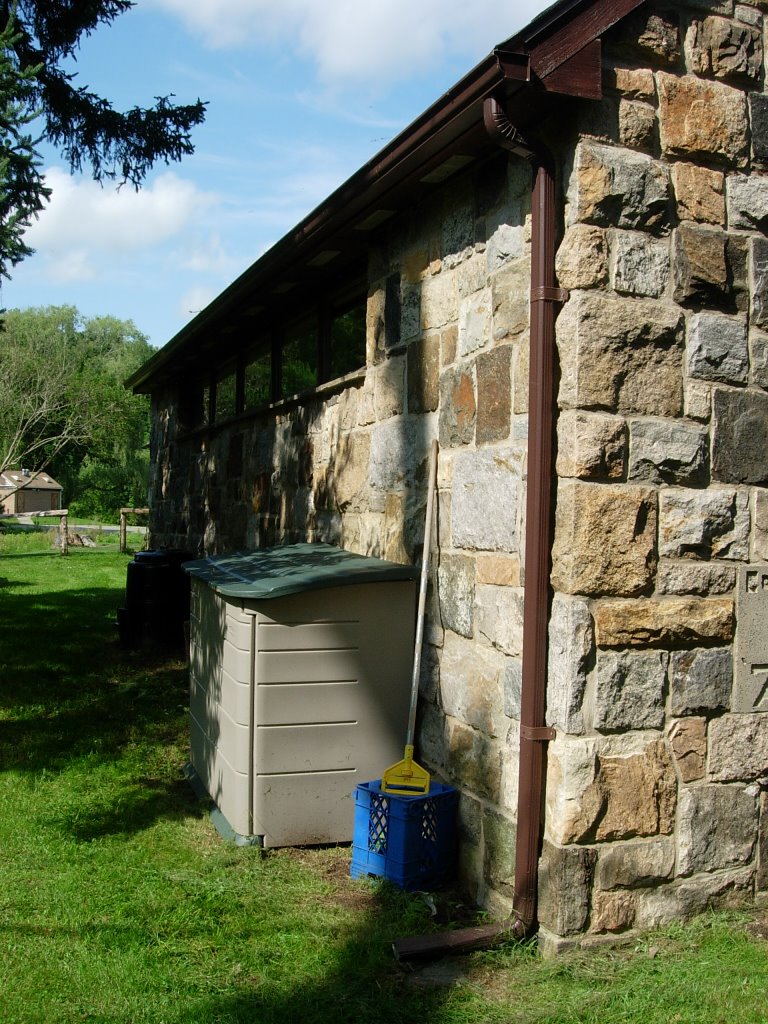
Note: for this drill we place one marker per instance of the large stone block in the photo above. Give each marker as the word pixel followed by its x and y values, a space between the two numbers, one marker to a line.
pixel 499 570
pixel 389 388
pixel 424 374
pixel 682 901
pixel 668 622
pixel 665 451
pixel 484 499
pixel 704 524
pixel 475 322
pixel 471 685
pixel 700 193
pixel 499 617
pixel 458 222
pixel 591 446
pixel 630 689
pixel 740 436
pixel 700 267
pixel 637 795
pixel 347 474
pixel 688 740
pixel 612 911
pixel 701 680
pixel 637 125
pixel 636 83
pixel 758 358
pixel 565 886
pixel 653 37
pixel 475 760
pixel 624 355
pixel 439 300
pixel 725 49
pixel 510 289
pixel 760 538
pixel 635 865
pixel 597 796
pixel 738 748
pixel 398 451
pixel 761 872
pixel 458 407
pixel 494 394
pixel 717 828
pixel 718 348
pixel 700 119
pixel 605 539
pixel 499 838
pixel 506 238
pixel 513 685
pixel 570 648
pixel 704 579
pixel 639 264
pixel 472 273
pixel 758 117
pixel 582 259
pixel 758 273
pixel 618 188
pixel 748 202
pixel 456 584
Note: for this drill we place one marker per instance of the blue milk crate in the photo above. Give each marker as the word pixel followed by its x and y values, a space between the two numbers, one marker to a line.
pixel 408 839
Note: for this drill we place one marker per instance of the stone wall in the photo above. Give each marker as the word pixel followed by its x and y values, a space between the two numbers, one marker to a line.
pixel 447 322
pixel 654 790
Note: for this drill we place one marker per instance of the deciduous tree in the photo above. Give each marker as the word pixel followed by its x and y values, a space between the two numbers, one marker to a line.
pixel 63 406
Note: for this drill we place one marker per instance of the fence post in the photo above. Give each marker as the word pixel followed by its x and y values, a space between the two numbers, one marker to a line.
pixel 124 513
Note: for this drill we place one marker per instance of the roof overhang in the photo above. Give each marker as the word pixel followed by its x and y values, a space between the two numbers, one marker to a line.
pixel 557 55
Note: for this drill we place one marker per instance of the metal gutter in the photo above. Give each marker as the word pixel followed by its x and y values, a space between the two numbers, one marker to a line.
pixel 545 300
pixel 538 56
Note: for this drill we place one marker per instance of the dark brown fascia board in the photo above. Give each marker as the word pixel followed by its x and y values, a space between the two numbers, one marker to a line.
pixel 536 54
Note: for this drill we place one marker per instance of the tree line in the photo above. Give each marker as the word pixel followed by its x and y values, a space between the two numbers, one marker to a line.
pixel 64 407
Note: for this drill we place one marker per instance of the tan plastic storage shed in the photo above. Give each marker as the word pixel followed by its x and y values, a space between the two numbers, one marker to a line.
pixel 300 671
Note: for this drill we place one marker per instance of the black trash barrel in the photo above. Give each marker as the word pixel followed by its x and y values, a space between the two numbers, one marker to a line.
pixel 156 600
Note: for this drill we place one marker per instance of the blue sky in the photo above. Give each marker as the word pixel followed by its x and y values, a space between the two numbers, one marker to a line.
pixel 300 94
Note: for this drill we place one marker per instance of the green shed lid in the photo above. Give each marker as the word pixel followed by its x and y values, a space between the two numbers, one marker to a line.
pixel 278 572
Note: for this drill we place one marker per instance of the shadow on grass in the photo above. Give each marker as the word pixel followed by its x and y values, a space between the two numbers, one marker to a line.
pixel 357 982
pixel 132 807
pixel 69 693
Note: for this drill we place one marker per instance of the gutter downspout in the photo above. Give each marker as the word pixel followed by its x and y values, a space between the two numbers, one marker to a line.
pixel 545 301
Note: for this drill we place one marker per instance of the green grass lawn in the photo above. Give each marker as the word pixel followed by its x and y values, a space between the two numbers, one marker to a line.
pixel 120 903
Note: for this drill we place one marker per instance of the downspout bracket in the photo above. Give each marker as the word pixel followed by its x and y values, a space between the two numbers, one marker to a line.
pixel 540 734
pixel 545 294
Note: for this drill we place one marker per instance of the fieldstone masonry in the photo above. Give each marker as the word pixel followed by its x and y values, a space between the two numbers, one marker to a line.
pixel 654 792
pixel 663 409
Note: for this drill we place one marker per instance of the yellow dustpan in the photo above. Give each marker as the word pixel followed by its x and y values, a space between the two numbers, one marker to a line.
pixel 407 777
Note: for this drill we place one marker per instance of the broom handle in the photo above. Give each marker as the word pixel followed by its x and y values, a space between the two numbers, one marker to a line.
pixel 422 595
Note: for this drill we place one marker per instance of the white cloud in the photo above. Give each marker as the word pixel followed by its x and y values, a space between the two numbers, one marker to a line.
pixel 208 256
pixel 353 41
pixel 106 223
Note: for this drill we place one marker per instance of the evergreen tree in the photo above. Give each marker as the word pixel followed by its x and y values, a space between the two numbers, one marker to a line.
pixel 22 190
pixel 39 36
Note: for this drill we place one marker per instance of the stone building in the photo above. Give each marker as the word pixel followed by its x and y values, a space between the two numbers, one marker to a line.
pixel 561 272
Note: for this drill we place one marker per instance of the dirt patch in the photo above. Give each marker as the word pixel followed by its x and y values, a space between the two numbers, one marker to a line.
pixel 758 926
